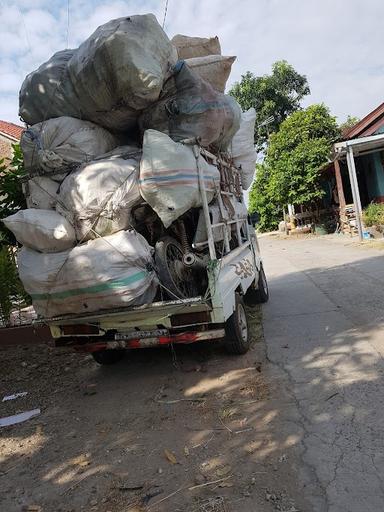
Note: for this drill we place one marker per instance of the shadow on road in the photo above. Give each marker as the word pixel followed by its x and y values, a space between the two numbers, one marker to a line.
pixel 126 437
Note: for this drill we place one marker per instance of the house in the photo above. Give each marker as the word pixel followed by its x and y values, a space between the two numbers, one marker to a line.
pixel 358 168
pixel 10 133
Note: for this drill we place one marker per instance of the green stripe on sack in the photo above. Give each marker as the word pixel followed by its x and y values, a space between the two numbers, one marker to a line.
pixel 97 288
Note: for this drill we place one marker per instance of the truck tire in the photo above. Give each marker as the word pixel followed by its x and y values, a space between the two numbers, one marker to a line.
pixel 108 356
pixel 258 292
pixel 236 327
pixel 177 279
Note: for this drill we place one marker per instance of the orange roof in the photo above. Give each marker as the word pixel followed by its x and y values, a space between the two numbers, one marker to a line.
pixel 11 130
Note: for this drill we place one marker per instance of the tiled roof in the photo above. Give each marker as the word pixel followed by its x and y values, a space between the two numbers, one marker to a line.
pixel 11 130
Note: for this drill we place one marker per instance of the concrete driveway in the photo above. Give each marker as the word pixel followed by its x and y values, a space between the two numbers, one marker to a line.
pixel 324 328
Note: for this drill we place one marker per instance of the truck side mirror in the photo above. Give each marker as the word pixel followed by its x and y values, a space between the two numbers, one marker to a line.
pixel 254 218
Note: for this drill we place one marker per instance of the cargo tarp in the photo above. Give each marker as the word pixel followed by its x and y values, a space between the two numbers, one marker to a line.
pixel 189 108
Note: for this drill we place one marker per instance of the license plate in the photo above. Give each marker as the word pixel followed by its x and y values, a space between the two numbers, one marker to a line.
pixel 139 335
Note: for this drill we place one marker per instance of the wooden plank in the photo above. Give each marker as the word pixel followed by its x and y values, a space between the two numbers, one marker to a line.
pixel 25 335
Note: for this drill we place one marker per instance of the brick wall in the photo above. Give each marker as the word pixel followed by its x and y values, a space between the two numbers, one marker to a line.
pixel 6 148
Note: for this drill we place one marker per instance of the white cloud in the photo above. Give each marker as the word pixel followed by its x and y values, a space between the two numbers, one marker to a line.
pixel 337 44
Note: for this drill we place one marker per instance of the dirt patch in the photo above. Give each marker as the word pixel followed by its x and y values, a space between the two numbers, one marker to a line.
pixel 191 429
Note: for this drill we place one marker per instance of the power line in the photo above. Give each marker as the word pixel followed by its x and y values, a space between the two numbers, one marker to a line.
pixel 67 23
pixel 165 12
pixel 25 29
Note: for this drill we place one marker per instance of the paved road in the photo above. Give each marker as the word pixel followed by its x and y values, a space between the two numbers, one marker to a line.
pixel 324 328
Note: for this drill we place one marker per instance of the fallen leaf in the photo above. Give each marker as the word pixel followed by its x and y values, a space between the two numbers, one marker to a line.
pixel 223 471
pixel 225 484
pixel 227 413
pixel 186 451
pixel 169 455
pixel 82 460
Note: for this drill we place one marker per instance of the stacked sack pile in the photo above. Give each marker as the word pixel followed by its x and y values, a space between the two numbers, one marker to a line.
pixel 105 125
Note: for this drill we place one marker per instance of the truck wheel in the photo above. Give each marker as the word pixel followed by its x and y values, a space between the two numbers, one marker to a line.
pixel 173 274
pixel 108 356
pixel 236 327
pixel 258 293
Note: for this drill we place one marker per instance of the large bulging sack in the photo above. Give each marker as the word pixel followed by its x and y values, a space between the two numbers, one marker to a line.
pixel 41 230
pixel 169 179
pixel 243 148
pixel 105 273
pixel 189 108
pixel 189 47
pixel 214 69
pixel 120 69
pixel 99 196
pixel 41 192
pixel 47 92
pixel 61 143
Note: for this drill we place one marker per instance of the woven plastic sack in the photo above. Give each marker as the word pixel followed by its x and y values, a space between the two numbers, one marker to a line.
pixel 47 92
pixel 41 230
pixel 105 273
pixel 214 69
pixel 62 143
pixel 189 108
pixel 41 192
pixel 190 47
pixel 243 148
pixel 97 198
pixel 120 69
pixel 169 178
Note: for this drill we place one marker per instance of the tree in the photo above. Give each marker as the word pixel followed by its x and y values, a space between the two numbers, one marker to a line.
pixel 348 123
pixel 12 293
pixel 11 194
pixel 290 171
pixel 276 95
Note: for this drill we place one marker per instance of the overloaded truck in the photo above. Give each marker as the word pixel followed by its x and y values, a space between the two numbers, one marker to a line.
pixel 136 232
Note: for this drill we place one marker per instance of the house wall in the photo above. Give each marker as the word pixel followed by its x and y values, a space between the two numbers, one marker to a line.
pixel 6 148
pixel 375 176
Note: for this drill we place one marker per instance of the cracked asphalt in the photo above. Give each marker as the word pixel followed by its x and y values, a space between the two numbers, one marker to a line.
pixel 324 329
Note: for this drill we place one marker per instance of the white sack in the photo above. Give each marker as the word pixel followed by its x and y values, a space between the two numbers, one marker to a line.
pixel 59 143
pixel 41 192
pixel 100 195
pixel 105 273
pixel 201 235
pixel 169 178
pixel 120 69
pixel 214 69
pixel 48 92
pixel 243 148
pixel 41 230
pixel 190 47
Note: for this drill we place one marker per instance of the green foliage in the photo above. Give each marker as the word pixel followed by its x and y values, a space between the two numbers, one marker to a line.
pixel 12 294
pixel 373 215
pixel 260 201
pixel 350 121
pixel 11 194
pixel 278 95
pixel 290 171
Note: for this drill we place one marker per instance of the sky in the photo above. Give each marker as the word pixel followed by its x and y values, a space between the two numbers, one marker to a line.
pixel 337 44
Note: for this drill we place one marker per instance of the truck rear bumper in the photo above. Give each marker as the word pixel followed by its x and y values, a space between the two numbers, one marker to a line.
pixel 180 338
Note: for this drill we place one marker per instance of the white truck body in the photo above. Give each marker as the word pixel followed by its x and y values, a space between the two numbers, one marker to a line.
pixel 181 320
